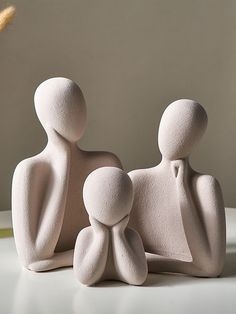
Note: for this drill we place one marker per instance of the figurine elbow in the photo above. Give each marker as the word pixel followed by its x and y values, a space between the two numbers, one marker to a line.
pixel 35 266
pixel 41 265
pixel 214 271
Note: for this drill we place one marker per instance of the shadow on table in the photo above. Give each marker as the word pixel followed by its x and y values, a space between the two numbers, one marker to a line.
pixel 61 293
pixel 167 280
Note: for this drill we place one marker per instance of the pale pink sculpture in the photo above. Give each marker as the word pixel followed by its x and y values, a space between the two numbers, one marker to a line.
pixel 47 204
pixel 179 212
pixel 108 249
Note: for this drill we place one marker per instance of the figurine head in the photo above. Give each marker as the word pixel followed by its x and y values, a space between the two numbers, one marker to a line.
pixel 60 105
pixel 182 125
pixel 108 195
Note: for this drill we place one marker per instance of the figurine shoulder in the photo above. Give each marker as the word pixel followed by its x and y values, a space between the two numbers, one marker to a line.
pixel 208 191
pixel 26 166
pixel 103 159
pixel 140 175
pixel 206 182
pixel 29 167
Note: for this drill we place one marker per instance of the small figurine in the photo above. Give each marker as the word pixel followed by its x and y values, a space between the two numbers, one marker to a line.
pixel 47 204
pixel 108 250
pixel 178 212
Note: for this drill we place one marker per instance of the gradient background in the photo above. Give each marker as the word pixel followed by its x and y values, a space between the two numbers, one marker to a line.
pixel 131 58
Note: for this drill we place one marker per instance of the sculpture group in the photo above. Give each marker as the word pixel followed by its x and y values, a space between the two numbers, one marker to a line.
pixel 76 207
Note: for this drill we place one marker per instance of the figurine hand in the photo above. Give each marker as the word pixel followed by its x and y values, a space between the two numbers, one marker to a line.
pixel 121 225
pixel 180 169
pixel 97 226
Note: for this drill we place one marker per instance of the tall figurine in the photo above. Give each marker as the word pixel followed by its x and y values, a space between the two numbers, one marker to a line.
pixel 179 212
pixel 108 250
pixel 47 203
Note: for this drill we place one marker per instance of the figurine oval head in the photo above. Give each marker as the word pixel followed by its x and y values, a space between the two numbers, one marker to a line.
pixel 60 105
pixel 108 195
pixel 182 125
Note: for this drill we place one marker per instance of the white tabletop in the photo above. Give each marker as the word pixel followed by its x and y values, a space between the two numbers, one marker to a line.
pixel 25 292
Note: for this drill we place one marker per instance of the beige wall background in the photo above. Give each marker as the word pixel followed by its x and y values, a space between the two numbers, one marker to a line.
pixel 131 58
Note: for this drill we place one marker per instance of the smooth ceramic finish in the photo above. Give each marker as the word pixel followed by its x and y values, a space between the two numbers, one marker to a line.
pixel 179 212
pixel 108 249
pixel 47 203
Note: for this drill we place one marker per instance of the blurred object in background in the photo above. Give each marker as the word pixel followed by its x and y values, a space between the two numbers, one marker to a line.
pixel 6 17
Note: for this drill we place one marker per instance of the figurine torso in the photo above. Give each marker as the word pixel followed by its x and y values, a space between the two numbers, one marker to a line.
pixel 76 218
pixel 156 213
pixel 49 167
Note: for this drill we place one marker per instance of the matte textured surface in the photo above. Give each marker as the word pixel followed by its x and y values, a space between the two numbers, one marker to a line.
pixel 179 212
pixel 108 249
pixel 47 203
pixel 25 292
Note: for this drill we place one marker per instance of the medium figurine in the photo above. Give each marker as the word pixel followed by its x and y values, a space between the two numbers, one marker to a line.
pixel 47 204
pixel 108 249
pixel 179 212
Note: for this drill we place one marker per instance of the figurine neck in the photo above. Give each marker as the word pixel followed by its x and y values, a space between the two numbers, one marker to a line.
pixel 167 162
pixel 59 143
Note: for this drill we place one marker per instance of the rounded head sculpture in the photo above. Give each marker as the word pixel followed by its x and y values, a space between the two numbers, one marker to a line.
pixel 182 125
pixel 60 105
pixel 108 195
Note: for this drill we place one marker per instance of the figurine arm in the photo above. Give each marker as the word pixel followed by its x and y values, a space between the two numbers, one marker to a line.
pixel 37 228
pixel 160 264
pixel 38 205
pixel 194 229
pixel 53 206
pixel 203 221
pixel 57 260
pixel 209 201
pixel 128 252
pixel 91 252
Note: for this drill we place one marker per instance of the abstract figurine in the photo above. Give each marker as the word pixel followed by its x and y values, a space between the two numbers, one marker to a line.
pixel 47 204
pixel 108 250
pixel 179 212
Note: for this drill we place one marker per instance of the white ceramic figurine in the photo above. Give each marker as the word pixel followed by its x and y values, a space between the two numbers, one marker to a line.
pixel 47 204
pixel 179 212
pixel 108 250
